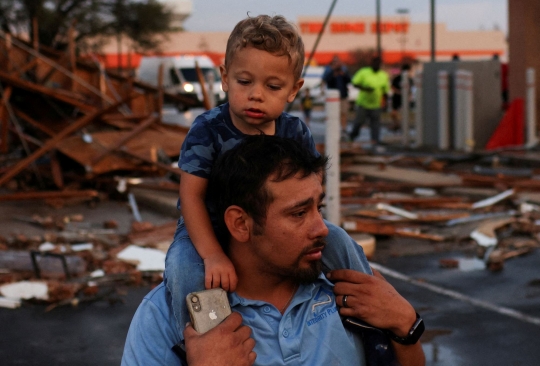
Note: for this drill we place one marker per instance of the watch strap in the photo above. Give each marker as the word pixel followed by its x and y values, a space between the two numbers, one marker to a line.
pixel 413 335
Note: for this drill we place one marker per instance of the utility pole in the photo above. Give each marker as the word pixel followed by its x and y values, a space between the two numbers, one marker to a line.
pixel 379 49
pixel 432 30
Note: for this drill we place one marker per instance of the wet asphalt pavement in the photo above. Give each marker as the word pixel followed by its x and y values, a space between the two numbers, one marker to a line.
pixel 457 332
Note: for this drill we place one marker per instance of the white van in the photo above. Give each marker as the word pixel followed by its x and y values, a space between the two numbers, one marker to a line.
pixel 180 77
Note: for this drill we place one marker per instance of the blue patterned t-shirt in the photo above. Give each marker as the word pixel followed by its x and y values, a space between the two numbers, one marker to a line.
pixel 213 133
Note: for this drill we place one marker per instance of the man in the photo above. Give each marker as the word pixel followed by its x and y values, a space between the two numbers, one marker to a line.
pixel 336 76
pixel 373 84
pixel 268 194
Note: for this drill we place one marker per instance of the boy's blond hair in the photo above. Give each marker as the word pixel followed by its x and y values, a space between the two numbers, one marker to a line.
pixel 271 34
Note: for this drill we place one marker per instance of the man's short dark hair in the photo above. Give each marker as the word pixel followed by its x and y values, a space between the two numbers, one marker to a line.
pixel 239 175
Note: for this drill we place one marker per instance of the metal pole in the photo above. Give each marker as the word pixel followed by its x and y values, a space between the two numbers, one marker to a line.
pixel 532 138
pixel 379 49
pixel 405 107
pixel 443 109
pixel 333 127
pixel 432 30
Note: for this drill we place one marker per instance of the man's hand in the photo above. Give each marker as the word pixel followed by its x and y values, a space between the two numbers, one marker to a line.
pixel 372 299
pixel 219 272
pixel 228 344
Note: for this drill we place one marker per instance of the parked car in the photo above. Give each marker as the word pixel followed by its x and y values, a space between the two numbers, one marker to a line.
pixel 180 75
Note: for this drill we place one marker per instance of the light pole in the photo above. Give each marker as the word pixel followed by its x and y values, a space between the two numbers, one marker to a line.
pixel 378 15
pixel 403 39
pixel 432 30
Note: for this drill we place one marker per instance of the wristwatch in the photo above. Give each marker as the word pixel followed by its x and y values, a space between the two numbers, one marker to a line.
pixel 413 335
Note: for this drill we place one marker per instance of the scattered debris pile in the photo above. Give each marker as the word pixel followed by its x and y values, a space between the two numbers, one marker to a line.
pixel 67 125
pixel 75 261
pixel 447 198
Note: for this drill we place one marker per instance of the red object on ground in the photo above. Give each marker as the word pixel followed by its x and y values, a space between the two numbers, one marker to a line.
pixel 510 129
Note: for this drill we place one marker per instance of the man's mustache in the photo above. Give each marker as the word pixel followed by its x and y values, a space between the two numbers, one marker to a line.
pixel 320 243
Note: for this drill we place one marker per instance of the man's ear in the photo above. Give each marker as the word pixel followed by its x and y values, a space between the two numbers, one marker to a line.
pixel 296 88
pixel 224 78
pixel 238 223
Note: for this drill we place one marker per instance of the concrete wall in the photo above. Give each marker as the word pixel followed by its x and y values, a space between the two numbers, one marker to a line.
pixel 524 46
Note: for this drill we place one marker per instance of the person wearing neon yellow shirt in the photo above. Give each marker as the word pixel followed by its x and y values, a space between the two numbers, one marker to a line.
pixel 374 86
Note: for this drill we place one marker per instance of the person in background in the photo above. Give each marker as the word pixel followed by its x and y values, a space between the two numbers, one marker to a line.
pixel 397 96
pixel 336 76
pixel 374 86
pixel 307 105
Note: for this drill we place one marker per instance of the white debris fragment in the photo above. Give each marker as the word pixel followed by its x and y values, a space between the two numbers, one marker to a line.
pixel 97 273
pixel 46 247
pixel 9 303
pixel 471 264
pixel 493 200
pixel 425 192
pixel 147 259
pixel 25 290
pixel 483 239
pixel 81 247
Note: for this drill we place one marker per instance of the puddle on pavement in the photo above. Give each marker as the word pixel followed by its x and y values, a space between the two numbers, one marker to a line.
pixel 440 355
pixel 435 353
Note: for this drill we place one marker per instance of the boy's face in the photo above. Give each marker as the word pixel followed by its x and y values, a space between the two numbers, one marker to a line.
pixel 259 85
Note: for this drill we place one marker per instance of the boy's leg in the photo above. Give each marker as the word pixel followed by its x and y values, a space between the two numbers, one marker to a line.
pixel 184 273
pixel 342 252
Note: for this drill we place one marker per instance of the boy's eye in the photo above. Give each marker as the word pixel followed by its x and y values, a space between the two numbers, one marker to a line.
pixel 243 82
pixel 274 87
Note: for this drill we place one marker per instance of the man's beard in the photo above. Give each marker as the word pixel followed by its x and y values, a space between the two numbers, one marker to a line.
pixel 301 275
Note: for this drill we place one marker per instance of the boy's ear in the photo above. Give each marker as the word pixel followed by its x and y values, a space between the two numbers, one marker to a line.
pixel 224 78
pixel 296 88
pixel 239 223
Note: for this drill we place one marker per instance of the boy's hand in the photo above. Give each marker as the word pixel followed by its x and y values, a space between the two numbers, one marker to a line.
pixel 219 272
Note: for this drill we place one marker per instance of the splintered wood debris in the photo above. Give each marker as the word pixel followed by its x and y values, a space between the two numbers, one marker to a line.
pixel 445 198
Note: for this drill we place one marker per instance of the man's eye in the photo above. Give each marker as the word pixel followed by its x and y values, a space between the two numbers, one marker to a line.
pixel 299 214
pixel 320 207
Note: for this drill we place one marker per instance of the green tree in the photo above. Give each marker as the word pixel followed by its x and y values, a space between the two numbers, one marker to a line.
pixel 139 20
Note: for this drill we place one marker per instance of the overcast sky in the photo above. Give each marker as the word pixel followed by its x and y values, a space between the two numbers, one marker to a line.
pixel 222 15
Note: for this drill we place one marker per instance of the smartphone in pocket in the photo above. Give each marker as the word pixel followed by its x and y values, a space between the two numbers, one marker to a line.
pixel 207 308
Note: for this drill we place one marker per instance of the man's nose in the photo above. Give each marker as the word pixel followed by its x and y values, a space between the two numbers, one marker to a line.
pixel 319 227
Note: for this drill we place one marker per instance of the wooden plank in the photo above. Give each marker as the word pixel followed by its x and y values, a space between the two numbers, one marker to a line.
pixel 131 134
pixel 42 195
pixel 411 176
pixel 40 126
pixel 51 144
pixel 4 120
pixel 200 77
pixel 159 104
pixel 166 167
pixel 26 85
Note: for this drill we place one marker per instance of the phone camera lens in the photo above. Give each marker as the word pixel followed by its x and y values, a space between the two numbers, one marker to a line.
pixel 194 299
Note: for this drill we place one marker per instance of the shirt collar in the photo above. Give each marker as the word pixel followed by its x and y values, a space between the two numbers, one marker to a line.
pixel 304 293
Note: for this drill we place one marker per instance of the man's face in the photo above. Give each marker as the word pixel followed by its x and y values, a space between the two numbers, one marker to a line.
pixel 292 239
pixel 259 84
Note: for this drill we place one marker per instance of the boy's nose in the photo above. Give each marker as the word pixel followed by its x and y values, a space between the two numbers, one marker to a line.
pixel 256 93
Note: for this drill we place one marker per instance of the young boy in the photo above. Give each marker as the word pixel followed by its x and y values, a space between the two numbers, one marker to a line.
pixel 262 72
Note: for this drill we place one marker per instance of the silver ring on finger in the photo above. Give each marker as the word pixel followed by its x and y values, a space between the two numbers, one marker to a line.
pixel 344 301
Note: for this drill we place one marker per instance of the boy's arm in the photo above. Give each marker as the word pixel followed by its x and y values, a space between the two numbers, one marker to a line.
pixel 192 197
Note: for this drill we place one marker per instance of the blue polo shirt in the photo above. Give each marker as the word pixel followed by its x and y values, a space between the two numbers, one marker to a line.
pixel 309 333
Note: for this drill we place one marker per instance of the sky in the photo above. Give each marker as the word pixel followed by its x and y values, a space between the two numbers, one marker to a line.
pixel 222 15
